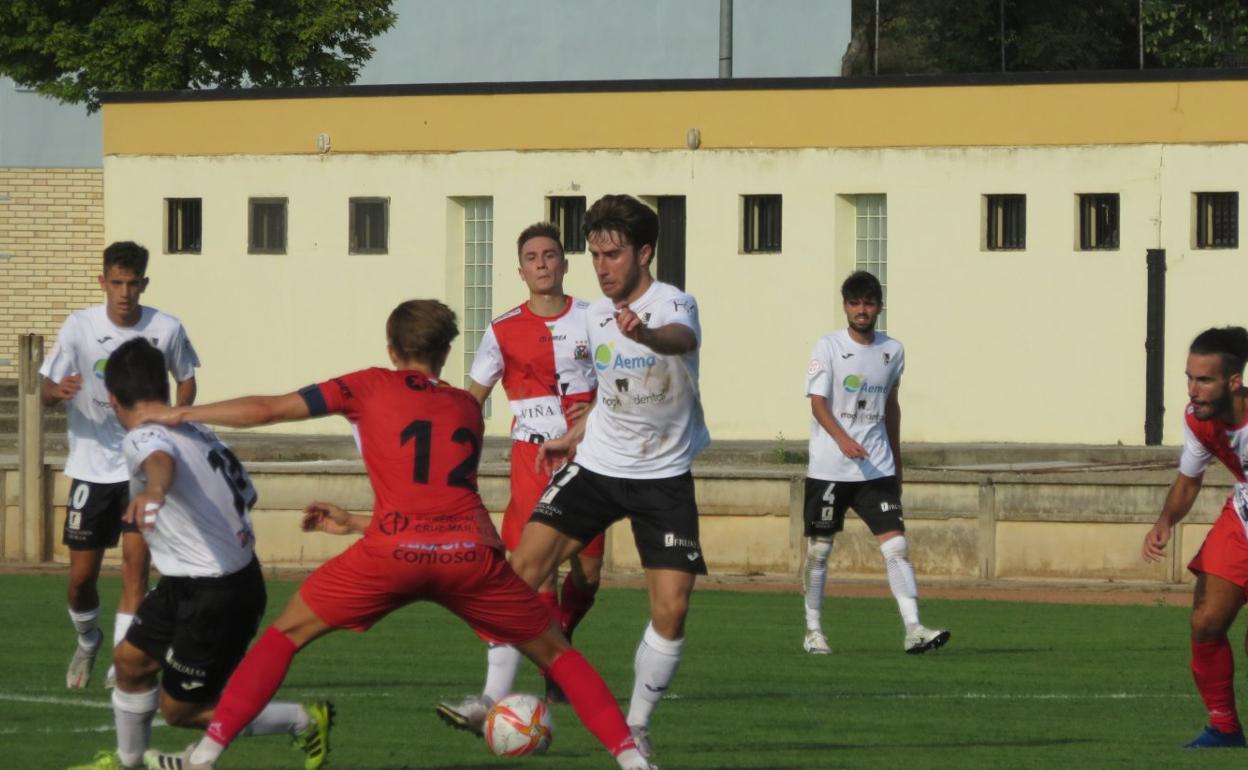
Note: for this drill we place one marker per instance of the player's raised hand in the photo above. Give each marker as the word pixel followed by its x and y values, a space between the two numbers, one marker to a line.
pixel 629 322
pixel 851 449
pixel 161 414
pixel 326 517
pixel 1156 540
pixel 143 509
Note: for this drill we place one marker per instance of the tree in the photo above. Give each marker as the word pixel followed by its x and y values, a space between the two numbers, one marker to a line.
pixel 75 49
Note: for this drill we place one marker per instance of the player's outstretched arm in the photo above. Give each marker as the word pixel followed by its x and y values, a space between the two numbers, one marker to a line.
pixel 159 469
pixel 673 339
pixel 330 519
pixel 245 412
pixel 1179 501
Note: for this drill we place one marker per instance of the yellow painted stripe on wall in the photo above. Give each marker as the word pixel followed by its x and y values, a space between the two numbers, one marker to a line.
pixel 1008 115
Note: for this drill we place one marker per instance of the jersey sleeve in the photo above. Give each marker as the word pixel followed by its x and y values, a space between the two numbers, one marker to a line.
pixel 1196 457
pixel 183 360
pixel 683 309
pixel 62 361
pixel 142 442
pixel 819 371
pixel 901 365
pixel 340 395
pixel 487 364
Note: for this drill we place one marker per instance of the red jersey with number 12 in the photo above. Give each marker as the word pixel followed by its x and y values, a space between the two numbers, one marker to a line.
pixel 421 441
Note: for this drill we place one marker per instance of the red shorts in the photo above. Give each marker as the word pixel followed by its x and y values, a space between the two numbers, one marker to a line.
pixel 1225 550
pixel 527 486
pixel 372 578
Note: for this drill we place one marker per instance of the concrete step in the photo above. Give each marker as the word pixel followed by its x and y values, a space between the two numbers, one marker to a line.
pixel 8 388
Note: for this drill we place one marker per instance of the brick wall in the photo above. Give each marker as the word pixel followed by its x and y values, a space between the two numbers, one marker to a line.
pixel 51 236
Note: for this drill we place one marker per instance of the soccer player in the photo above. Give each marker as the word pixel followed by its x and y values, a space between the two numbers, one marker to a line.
pixel 99 488
pixel 1215 426
pixel 631 457
pixel 855 449
pixel 540 352
pixel 192 500
pixel 429 536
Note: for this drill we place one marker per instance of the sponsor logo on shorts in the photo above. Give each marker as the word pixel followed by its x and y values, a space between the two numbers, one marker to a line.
pixel 75 520
pixel 182 668
pixel 194 685
pixel 886 507
pixel 693 556
pixel 670 540
pixel 546 509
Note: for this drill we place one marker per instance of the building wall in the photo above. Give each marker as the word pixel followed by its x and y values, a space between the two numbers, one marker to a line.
pixel 1045 344
pixel 51 234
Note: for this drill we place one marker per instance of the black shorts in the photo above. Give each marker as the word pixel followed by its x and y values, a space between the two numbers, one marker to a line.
pixel 199 629
pixel 877 502
pixel 93 515
pixel 664 514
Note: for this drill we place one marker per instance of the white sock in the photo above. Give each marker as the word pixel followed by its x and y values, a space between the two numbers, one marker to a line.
pixel 121 624
pixel 503 661
pixel 654 668
pixel 87 624
pixel 814 577
pixel 630 758
pixel 132 713
pixel 901 579
pixel 206 752
pixel 279 717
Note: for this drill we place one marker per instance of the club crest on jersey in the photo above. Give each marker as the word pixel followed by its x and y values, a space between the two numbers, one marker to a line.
pixel 888 357
pixel 581 353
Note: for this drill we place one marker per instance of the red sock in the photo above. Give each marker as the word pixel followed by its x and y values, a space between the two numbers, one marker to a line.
pixel 550 601
pixel 592 701
pixel 574 602
pixel 1213 668
pixel 252 686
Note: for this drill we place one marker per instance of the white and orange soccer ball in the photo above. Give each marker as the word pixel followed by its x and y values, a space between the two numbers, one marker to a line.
pixel 518 724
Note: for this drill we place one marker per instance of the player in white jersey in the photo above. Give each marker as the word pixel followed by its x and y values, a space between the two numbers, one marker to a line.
pixel 192 500
pixel 855 448
pixel 74 372
pixel 539 351
pixel 631 457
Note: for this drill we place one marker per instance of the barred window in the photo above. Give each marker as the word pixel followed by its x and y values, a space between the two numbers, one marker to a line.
pixel 183 225
pixel 1006 226
pixel 478 276
pixel 1217 220
pixel 369 223
pixel 871 244
pixel 1098 221
pixel 266 226
pixel 568 214
pixel 761 223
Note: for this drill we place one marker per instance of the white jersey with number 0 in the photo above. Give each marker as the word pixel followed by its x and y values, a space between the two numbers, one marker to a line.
pixel 856 380
pixel 83 345
pixel 204 528
pixel 647 422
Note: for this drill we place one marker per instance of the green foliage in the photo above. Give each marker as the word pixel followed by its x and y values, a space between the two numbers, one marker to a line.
pixel 75 49
pixel 1196 33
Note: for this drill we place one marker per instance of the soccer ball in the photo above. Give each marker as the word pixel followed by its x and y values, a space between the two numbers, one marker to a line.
pixel 518 724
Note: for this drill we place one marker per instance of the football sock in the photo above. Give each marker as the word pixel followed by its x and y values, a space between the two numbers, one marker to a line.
pixel 503 661
pixel 574 603
pixel 592 701
pixel 278 717
pixel 901 579
pixel 249 690
pixel 121 624
pixel 87 624
pixel 132 713
pixel 654 668
pixel 814 578
pixel 550 600
pixel 1213 668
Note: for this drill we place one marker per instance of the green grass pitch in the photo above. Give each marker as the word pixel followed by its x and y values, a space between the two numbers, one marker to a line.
pixel 1019 686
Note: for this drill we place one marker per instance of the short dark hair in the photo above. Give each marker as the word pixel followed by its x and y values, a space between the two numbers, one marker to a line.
pixel 1230 342
pixel 127 255
pixel 625 215
pixel 421 330
pixel 539 230
pixel 862 285
pixel 136 372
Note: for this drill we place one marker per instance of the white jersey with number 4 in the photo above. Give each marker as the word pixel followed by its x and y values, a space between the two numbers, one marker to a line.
pixel 83 346
pixel 204 528
pixel 647 422
pixel 856 380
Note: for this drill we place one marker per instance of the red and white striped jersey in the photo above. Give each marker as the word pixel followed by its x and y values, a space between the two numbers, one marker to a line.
pixel 1204 440
pixel 544 364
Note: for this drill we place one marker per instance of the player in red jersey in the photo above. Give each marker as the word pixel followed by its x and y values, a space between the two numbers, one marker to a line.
pixel 428 538
pixel 1215 427
pixel 540 352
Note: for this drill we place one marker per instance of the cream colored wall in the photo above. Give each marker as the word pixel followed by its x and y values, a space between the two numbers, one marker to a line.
pixel 1046 344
